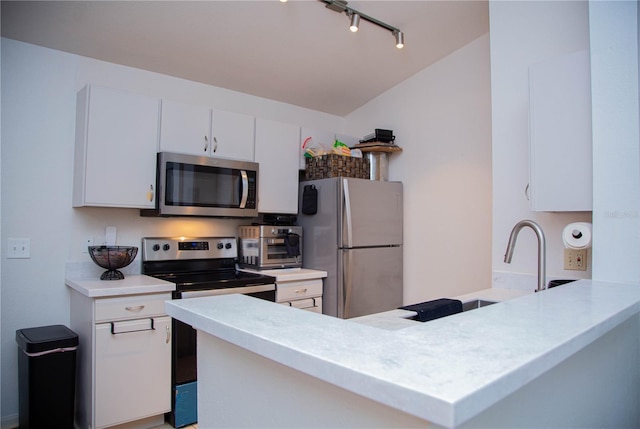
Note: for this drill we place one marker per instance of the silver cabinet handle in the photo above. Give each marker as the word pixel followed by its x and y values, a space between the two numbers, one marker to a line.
pixel 150 195
pixel 215 146
pixel 168 335
pixel 206 143
pixel 136 308
pixel 301 290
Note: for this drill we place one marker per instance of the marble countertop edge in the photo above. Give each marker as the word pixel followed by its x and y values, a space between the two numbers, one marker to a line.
pixel 417 395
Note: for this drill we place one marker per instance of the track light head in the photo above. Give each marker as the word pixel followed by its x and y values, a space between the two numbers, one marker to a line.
pixel 399 39
pixel 355 22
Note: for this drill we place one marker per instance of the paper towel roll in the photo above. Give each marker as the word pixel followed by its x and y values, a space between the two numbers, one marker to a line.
pixel 577 235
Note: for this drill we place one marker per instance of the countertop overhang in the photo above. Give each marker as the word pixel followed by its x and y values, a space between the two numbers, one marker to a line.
pixel 445 371
pixel 130 285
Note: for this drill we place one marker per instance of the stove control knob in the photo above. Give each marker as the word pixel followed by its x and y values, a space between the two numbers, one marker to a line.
pixel 220 246
pixel 166 247
pixel 156 247
pixel 227 246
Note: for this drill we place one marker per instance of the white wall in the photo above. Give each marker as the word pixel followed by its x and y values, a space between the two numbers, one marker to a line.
pixel 524 33
pixel 616 168
pixel 38 116
pixel 442 120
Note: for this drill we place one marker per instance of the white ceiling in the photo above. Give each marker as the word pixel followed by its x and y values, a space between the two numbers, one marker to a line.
pixel 297 52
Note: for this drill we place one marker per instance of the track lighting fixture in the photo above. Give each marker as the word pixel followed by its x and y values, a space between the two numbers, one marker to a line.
pixel 340 6
pixel 355 22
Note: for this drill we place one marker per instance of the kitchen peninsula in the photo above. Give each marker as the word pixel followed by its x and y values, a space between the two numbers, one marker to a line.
pixel 565 357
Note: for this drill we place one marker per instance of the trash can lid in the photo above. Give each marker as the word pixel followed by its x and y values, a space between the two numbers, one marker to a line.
pixel 43 338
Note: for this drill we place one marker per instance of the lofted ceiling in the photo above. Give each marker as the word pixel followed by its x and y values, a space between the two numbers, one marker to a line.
pixel 298 52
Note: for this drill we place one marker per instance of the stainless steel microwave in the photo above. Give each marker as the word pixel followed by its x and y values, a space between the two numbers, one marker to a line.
pixel 189 185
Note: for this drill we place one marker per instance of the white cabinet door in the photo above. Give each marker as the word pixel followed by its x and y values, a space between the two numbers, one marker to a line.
pixel 133 370
pixel 560 134
pixel 276 145
pixel 319 137
pixel 233 135
pixel 116 145
pixel 185 128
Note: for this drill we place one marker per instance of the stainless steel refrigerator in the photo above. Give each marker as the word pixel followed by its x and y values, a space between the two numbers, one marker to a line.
pixel 356 236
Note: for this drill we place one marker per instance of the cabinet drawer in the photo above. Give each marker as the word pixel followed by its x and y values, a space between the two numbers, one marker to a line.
pixel 298 290
pixel 130 307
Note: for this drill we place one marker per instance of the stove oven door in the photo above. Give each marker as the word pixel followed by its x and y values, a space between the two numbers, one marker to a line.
pixel 184 368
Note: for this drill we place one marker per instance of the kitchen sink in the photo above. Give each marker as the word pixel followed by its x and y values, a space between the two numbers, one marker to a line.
pixel 476 303
pixel 439 310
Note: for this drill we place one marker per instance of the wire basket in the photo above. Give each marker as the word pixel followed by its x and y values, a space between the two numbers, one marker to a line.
pixel 112 258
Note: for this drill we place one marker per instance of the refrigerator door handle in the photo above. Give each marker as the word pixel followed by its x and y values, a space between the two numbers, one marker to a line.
pixel 347 257
pixel 347 213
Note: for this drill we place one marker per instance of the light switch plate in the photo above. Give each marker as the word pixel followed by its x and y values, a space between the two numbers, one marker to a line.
pixel 575 259
pixel 18 248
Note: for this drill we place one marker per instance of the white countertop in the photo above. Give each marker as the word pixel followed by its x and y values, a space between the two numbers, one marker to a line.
pixel 130 285
pixel 290 274
pixel 445 371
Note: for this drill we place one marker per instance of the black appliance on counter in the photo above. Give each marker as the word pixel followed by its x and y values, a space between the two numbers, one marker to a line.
pixel 199 267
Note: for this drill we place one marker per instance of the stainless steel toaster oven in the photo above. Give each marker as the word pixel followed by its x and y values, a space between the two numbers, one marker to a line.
pixel 270 246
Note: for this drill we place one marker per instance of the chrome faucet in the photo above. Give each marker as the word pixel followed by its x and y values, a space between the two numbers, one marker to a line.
pixel 541 249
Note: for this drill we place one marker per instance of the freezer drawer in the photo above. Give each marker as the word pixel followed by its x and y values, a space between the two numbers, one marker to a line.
pixel 370 281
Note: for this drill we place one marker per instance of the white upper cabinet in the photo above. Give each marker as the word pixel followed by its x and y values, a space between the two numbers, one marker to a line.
pixel 277 154
pixel 310 136
pixel 200 130
pixel 116 145
pixel 185 128
pixel 560 144
pixel 233 135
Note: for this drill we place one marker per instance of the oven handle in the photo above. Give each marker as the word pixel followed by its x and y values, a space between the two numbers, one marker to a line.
pixel 228 291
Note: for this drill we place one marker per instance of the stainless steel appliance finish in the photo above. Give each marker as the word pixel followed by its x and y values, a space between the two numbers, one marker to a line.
pixel 356 236
pixel 270 246
pixel 188 185
pixel 199 267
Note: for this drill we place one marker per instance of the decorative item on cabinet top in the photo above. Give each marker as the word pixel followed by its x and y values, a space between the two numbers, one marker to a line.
pixel 112 258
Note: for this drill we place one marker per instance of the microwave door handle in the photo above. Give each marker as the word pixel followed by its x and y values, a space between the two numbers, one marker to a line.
pixel 245 189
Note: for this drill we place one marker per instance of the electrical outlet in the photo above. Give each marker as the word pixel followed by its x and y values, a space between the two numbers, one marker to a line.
pixel 18 248
pixel 88 241
pixel 575 259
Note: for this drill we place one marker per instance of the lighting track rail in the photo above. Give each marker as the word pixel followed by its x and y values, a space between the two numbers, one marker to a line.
pixel 355 16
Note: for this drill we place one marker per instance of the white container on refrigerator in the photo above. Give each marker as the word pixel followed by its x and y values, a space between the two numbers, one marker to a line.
pixel 356 236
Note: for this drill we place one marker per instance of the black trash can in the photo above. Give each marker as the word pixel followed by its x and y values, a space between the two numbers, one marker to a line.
pixel 47 376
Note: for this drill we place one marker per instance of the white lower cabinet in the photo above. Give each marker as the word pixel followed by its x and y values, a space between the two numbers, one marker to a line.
pixel 132 370
pixel 124 360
